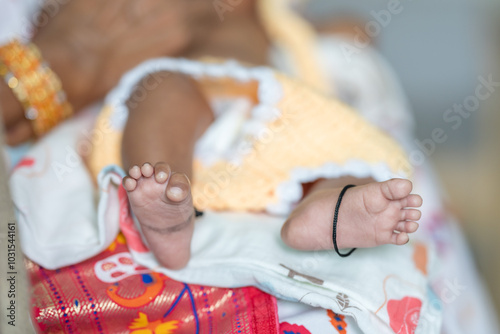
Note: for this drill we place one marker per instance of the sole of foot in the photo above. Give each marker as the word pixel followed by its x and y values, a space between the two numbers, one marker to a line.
pixel 162 202
pixel 374 214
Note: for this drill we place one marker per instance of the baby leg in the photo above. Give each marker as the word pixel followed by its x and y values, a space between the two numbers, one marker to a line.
pixel 369 215
pixel 157 149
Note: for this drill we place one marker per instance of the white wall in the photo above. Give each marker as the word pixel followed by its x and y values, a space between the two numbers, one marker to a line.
pixel 438 48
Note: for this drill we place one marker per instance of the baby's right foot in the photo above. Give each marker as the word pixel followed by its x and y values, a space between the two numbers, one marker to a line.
pixel 161 200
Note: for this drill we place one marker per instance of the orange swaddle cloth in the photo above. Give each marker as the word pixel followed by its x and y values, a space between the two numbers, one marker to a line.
pixel 300 130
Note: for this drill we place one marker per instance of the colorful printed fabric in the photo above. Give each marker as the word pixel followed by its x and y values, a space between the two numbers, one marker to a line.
pixel 111 294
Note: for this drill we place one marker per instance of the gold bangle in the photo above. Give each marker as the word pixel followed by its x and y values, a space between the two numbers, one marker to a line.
pixel 35 85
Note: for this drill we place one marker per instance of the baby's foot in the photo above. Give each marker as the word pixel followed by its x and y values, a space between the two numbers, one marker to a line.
pixel 369 215
pixel 162 202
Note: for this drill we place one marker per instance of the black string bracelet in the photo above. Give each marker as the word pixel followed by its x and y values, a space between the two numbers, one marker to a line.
pixel 197 213
pixel 335 218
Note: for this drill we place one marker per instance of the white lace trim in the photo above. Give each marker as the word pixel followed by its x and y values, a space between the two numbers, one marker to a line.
pixel 269 91
pixel 290 191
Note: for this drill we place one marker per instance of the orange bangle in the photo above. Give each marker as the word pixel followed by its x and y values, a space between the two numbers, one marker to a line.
pixel 35 85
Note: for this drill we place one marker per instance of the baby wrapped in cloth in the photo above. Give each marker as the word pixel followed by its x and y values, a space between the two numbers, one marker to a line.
pixel 254 158
pixel 263 145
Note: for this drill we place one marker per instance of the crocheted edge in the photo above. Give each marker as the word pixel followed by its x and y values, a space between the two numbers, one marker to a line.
pixel 269 91
pixel 290 192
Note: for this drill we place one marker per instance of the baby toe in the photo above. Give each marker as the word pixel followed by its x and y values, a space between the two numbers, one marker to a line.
pixel 178 187
pixel 396 188
pixel 129 183
pixel 147 170
pixel 412 201
pixel 411 227
pixel 410 214
pixel 406 226
pixel 400 238
pixel 162 172
pixel 135 172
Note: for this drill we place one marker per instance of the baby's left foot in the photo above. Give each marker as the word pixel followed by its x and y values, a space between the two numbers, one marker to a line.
pixel 370 215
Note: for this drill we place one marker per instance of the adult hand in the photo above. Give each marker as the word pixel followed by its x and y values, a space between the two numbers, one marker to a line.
pixel 91 43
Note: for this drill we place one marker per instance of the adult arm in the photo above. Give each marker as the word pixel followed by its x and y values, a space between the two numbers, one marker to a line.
pixel 89 44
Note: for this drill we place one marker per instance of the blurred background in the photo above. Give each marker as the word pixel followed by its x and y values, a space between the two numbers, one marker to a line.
pixel 439 49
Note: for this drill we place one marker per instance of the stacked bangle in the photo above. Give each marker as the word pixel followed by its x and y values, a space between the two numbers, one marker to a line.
pixel 35 85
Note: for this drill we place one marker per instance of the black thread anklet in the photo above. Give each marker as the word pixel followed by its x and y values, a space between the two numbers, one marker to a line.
pixel 335 218
pixel 197 213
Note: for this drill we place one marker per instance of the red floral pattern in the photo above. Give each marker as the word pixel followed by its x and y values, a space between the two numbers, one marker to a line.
pixel 74 300
pixel 404 314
